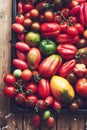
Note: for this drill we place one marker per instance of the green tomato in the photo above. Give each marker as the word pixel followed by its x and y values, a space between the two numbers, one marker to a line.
pixel 46 114
pixel 17 73
pixel 47 47
pixel 32 39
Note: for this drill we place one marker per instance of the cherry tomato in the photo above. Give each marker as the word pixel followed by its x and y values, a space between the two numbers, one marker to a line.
pixel 48 101
pixel 17 73
pixel 65 12
pixel 26 74
pixel 19 19
pixel 35 26
pixel 63 26
pixel 27 7
pixel 31 88
pixel 31 100
pixel 27 15
pixel 20 98
pixel 40 105
pixel 81 43
pixel 46 114
pixel 9 91
pixel 85 34
pixel 56 105
pixel 21 37
pixel 57 18
pixel 9 79
pixel 72 20
pixel 50 122
pixel 72 31
pixel 79 27
pixel 36 119
pixel 27 23
pixel 48 16
pixel 34 13
pixel 73 3
pixel 73 106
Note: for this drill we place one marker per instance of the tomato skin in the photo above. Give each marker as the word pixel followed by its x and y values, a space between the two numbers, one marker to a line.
pixel 81 87
pixel 26 74
pixel 50 122
pixel 31 100
pixel 22 46
pixel 19 19
pixel 31 88
pixel 20 55
pixel 48 16
pixel 20 98
pixel 9 91
pixel 18 28
pixel 9 79
pixel 20 64
pixel 36 119
pixel 43 88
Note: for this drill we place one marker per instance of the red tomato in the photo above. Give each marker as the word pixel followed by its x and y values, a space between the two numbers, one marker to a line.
pixel 19 19
pixel 9 79
pixel 48 101
pixel 40 105
pixel 57 18
pixel 80 28
pixel 36 119
pixel 27 7
pixel 9 91
pixel 27 23
pixel 43 88
pixel 72 20
pixel 27 15
pixel 63 26
pixel 31 100
pixel 65 12
pixel 18 28
pixel 73 3
pixel 34 13
pixel 50 122
pixel 31 88
pixel 20 7
pixel 72 31
pixel 26 74
pixel 20 55
pixel 21 37
pixel 56 105
pixel 22 46
pixel 48 16
pixel 20 98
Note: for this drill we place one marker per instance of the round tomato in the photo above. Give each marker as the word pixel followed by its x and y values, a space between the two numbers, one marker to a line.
pixel 46 114
pixel 9 91
pixel 20 98
pixel 72 31
pixel 9 79
pixel 26 74
pixel 27 7
pixel 19 19
pixel 48 16
pixel 36 119
pixel 50 122
pixel 17 73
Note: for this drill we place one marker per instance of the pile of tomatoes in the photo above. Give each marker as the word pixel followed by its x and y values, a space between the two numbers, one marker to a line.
pixel 50 38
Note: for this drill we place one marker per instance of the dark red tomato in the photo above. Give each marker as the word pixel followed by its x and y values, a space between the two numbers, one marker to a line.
pixel 31 88
pixel 50 122
pixel 26 74
pixel 21 37
pixel 57 18
pixel 31 100
pixel 9 91
pixel 20 64
pixel 9 79
pixel 43 88
pixel 72 31
pixel 48 101
pixel 40 105
pixel 65 12
pixel 56 105
pixel 20 7
pixel 19 19
pixel 63 26
pixel 36 119
pixel 20 55
pixel 27 7
pixel 80 28
pixel 18 28
pixel 20 98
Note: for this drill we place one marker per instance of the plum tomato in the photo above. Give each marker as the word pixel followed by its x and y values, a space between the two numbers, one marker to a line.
pixel 9 79
pixel 36 119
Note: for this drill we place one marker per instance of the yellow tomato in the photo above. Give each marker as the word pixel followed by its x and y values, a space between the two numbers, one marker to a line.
pixel 61 89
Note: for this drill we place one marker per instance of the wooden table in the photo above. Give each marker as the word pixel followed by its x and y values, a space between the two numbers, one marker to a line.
pixel 9 121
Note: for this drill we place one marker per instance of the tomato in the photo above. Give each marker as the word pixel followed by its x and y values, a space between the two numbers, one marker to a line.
pixel 27 15
pixel 56 105
pixel 46 114
pixel 27 7
pixel 31 88
pixel 9 91
pixel 34 13
pixel 73 3
pixel 48 16
pixel 81 43
pixel 17 73
pixel 20 7
pixel 40 105
pixel 27 23
pixel 18 28
pixel 72 31
pixel 26 74
pixel 20 37
pixel 63 26
pixel 19 19
pixel 85 34
pixel 50 122
pixel 81 87
pixel 79 27
pixel 9 79
pixel 21 55
pixel 65 12
pixel 22 46
pixel 57 18
pixel 20 64
pixel 36 119
pixel 20 98
pixel 73 106
pixel 35 26
pixel 31 100
pixel 43 88
pixel 48 101
pixel 72 20
pixel 47 47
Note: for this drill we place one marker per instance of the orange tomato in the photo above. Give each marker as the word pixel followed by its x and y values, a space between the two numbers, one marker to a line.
pixel 85 34
pixel 26 74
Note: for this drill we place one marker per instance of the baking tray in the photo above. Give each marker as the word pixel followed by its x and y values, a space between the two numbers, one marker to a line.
pixel 16 108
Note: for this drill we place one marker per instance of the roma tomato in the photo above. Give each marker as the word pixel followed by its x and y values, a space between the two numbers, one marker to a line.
pixel 18 28
pixel 72 31
pixel 20 98
pixel 31 100
pixel 31 88
pixel 22 46
pixel 26 74
pixel 43 88
pixel 9 91
pixel 20 7
pixel 9 79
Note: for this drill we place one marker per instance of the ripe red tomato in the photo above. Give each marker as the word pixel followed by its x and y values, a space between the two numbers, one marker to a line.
pixel 20 7
pixel 31 100
pixel 48 101
pixel 50 122
pixel 31 88
pixel 27 23
pixel 26 74
pixel 18 28
pixel 20 98
pixel 36 119
pixel 20 55
pixel 9 91
pixel 57 18
pixel 63 26
pixel 40 105
pixel 80 28
pixel 65 12
pixel 9 79
pixel 21 37
pixel 48 16
pixel 72 31
pixel 27 7
pixel 34 13
pixel 19 19
pixel 56 105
